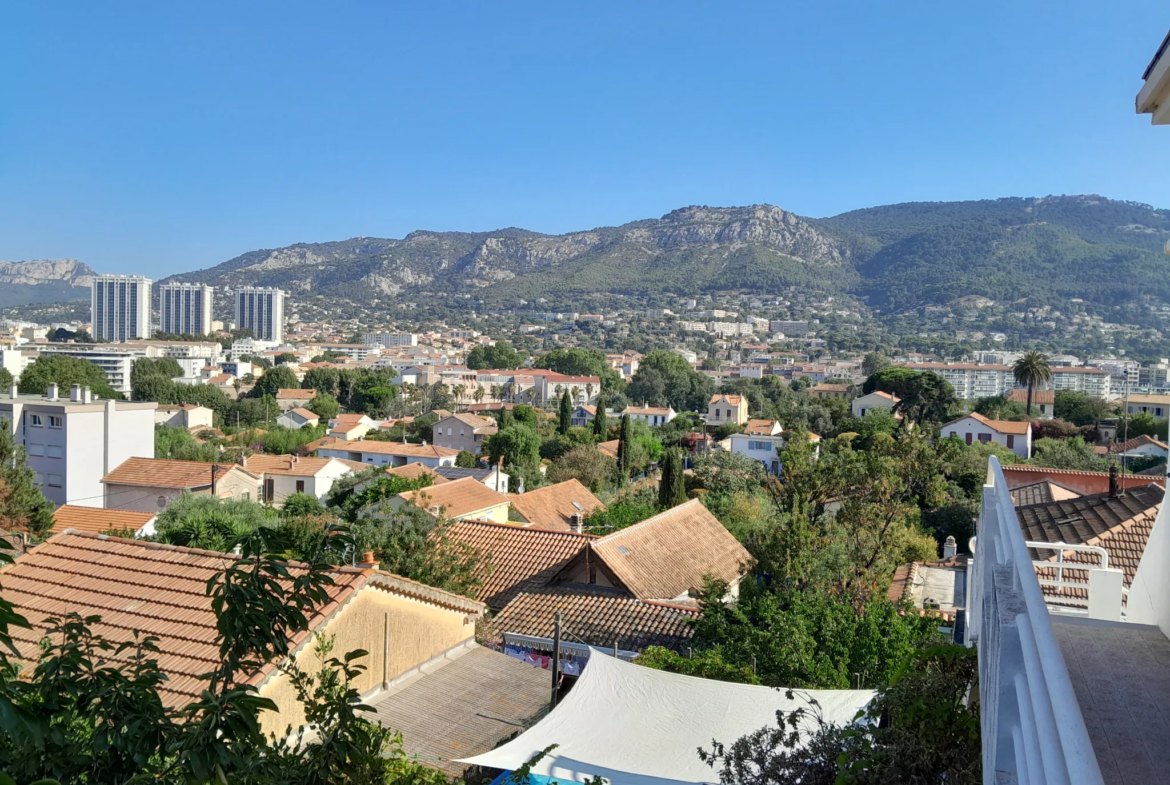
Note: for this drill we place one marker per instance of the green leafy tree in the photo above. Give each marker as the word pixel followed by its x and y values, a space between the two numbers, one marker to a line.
pixel 600 432
pixel 705 665
pixel 64 371
pixel 279 378
pixel 23 508
pixel 518 445
pixel 1074 453
pixel 500 355
pixel 665 378
pixel 177 443
pixel 586 464
pixel 672 489
pixel 583 362
pixel 466 460
pixel 874 362
pixel 301 504
pixel 1030 370
pixel 6 379
pixel 625 442
pixel 409 543
pixel 565 419
pixel 199 521
pixel 506 418
pixel 324 406
pixel 631 507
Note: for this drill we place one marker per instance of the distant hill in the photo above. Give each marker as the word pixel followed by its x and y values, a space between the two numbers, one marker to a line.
pixel 898 257
pixel 43 281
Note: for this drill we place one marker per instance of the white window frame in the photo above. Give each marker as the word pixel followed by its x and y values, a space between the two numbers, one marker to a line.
pixel 35 420
pixel 55 421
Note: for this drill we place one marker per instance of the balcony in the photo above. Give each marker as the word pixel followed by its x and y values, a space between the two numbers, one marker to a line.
pixel 1074 671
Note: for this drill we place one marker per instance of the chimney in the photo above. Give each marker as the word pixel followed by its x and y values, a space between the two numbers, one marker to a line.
pixel 577 522
pixel 13 391
pixel 86 395
pixel 1114 483
pixel 52 393
pixel 75 393
pixel 243 459
pixel 950 548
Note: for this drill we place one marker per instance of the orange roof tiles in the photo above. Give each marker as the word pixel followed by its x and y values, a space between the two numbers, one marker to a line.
pixel 553 506
pixel 458 498
pixel 295 393
pixel 668 555
pixel 288 465
pixel 98 520
pixel 1038 396
pixel 165 473
pixel 386 448
pixel 760 427
pixel 305 413
pixel 412 471
pixel 734 400
pixel 518 558
pixel 609 448
pixel 1000 426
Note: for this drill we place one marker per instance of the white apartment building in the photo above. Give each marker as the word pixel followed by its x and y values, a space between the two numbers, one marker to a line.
pixel 788 327
pixel 390 340
pixel 74 441
pixel 974 380
pixel 116 362
pixel 261 310
pixel 185 308
pixel 1096 382
pixel 120 307
pixel 16 360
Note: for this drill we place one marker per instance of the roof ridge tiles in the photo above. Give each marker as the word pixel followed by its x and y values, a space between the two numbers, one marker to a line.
pixel 652 519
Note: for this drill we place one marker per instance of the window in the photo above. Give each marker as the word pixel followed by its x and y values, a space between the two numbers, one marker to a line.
pixel 766 446
pixel 448 431
pixel 984 437
pixel 1011 440
pixel 35 419
pixel 54 421
pixel 56 451
pixel 968 438
pixel 35 450
pixel 55 481
pixel 300 486
pixel 269 489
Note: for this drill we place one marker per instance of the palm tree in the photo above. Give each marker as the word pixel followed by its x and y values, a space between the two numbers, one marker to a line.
pixel 1030 370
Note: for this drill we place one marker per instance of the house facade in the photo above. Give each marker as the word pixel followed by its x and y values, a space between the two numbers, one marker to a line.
pixel 877 399
pixel 1015 436
pixel 150 484
pixel 387 453
pixel 723 409
pixel 651 415
pixel 283 475
pixel 463 432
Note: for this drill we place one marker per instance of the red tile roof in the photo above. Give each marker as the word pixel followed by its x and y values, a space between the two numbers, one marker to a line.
pixel 1038 396
pixel 294 393
pixel 553 506
pixel 98 520
pixel 165 473
pixel 1000 426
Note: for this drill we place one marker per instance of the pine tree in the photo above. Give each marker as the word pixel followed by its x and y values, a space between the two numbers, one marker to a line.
pixel 623 450
pixel 672 489
pixel 24 507
pixel 566 414
pixel 599 426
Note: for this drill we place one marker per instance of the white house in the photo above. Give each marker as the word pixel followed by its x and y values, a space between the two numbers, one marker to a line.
pixel 583 416
pixel 298 418
pixel 283 475
pixel 183 415
pixel 651 415
pixel 1140 447
pixel 1016 436
pixel 764 448
pixel 875 400
pixel 73 442
pixel 762 427
pixel 723 409
pixel 377 453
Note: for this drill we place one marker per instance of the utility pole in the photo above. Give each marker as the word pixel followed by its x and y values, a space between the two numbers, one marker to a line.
pixel 555 666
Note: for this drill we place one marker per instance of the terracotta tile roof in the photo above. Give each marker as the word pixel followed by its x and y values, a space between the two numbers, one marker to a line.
pixel 294 393
pixel 519 558
pixel 1038 396
pixel 286 465
pixel 457 498
pixel 659 410
pixel 1135 442
pixel 886 395
pixel 589 409
pixel 902 585
pixel 471 420
pixel 1120 524
pixel 1000 426
pixel 1041 493
pixel 98 520
pixel 609 448
pixel 305 413
pixel 387 448
pixel 734 400
pixel 759 427
pixel 165 473
pixel 823 387
pixel 412 471
pixel 348 418
pixel 553 506
pixel 594 615
pixel 347 427
pixel 668 555
pixel 1082 481
pixel 158 590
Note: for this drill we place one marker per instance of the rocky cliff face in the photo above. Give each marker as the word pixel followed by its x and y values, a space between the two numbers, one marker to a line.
pixel 43 281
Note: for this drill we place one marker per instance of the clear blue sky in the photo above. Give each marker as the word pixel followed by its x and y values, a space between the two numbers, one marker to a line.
pixel 157 137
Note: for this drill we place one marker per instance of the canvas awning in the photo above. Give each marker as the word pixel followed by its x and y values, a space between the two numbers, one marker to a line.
pixel 638 726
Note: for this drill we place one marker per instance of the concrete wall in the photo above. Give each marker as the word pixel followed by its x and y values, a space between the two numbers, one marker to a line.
pixel 418 631
pixel 769 457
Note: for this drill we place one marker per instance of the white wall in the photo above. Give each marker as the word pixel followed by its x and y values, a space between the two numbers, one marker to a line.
pixel 1021 444
pixel 769 457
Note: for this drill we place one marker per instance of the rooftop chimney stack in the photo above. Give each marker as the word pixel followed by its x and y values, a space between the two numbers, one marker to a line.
pixel 1114 483
pixel 577 522
pixel 950 548
pixel 75 393
pixel 52 393
pixel 367 561
pixel 86 395
pixel 13 391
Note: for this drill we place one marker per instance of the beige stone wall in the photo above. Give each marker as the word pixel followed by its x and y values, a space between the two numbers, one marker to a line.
pixel 418 632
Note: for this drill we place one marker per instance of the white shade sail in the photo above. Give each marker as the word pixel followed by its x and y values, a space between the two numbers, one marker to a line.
pixel 639 726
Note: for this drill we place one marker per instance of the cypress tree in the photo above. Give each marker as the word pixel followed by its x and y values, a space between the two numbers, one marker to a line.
pixel 25 507
pixel 623 450
pixel 599 426
pixel 566 414
pixel 506 418
pixel 672 489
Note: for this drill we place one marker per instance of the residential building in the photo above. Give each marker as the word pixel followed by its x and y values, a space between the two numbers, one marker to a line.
pixel 723 409
pixel 102 521
pixel 1043 401
pixel 298 418
pixel 1015 436
pixel 293 398
pixel 185 308
pixel 548 386
pixel 651 415
pixel 824 390
pixel 463 432
pixel 116 362
pixel 1157 405
pixel 877 399
pixel 788 327
pixel 583 416
pixel 161 589
pixel 972 380
pixel 465 499
pixel 490 477
pixel 667 557
pixel 184 415
pixel 261 310
pixel 1154 97
pixel 560 507
pixel 1139 447
pixel 764 447
pixel 16 360
pixel 283 475
pixel 935 588
pixel 1078 481
pixel 762 427
pixel 1096 382
pixel 387 453
pixel 72 442
pixel 149 484
pixel 390 340
pixel 120 307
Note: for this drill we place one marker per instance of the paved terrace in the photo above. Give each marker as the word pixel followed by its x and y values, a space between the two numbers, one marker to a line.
pixel 1121 676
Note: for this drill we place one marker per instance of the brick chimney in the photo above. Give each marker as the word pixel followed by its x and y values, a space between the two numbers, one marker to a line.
pixel 367 561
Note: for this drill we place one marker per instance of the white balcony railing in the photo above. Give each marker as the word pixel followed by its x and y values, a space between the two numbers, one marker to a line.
pixel 1033 731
